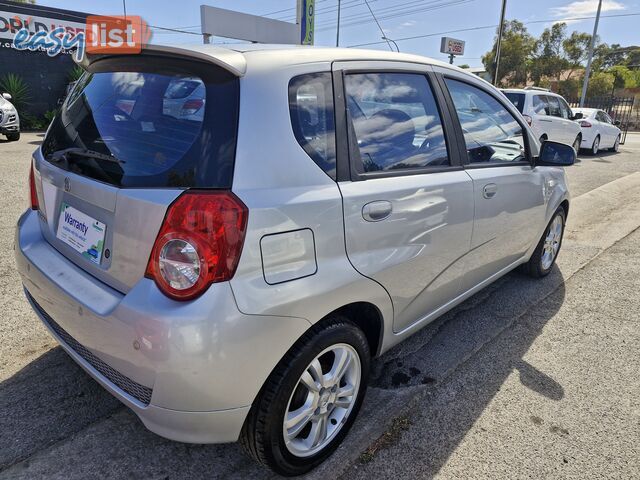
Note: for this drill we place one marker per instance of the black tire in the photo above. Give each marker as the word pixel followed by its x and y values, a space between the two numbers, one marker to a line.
pixel 262 434
pixel 595 147
pixel 577 143
pixel 13 137
pixel 534 267
pixel 616 146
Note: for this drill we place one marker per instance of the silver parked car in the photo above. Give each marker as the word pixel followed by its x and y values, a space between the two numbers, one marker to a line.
pixel 9 119
pixel 230 275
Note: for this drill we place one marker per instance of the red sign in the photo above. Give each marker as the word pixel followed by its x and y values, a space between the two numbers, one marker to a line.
pixel 116 34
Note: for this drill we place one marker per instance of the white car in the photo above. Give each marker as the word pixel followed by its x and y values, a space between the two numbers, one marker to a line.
pixel 598 130
pixel 548 113
pixel 9 119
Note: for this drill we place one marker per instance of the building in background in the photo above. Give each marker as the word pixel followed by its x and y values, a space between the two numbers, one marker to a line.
pixel 47 77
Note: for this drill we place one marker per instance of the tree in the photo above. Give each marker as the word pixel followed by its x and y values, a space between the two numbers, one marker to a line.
pixel 548 54
pixel 623 77
pixel 600 84
pixel 517 46
pixel 576 50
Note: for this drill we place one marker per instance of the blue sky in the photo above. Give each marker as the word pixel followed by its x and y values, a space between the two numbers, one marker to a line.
pixel 403 21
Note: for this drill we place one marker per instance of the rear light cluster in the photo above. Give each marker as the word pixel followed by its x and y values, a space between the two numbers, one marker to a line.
pixel 199 243
pixel 585 124
pixel 33 194
pixel 528 119
pixel 192 106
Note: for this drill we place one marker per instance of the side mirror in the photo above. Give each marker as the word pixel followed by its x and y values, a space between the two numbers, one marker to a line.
pixel 617 123
pixel 554 154
pixel 6 96
pixel 577 116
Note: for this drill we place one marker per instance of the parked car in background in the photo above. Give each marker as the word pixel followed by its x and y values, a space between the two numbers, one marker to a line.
pixel 598 130
pixel 9 119
pixel 248 263
pixel 548 114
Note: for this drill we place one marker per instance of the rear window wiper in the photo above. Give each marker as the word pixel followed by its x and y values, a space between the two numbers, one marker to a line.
pixel 82 152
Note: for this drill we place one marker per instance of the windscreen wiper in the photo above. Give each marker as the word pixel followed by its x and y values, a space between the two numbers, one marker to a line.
pixel 84 153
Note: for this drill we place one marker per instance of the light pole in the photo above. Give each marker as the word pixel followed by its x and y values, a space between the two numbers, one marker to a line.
pixel 338 29
pixel 587 71
pixel 499 42
pixel 387 39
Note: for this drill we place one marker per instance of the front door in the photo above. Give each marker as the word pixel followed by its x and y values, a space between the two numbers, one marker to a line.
pixel 508 192
pixel 408 205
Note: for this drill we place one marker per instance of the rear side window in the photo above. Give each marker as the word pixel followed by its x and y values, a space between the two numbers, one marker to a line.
pixel 491 133
pixel 540 106
pixel 311 110
pixel 395 121
pixel 149 123
pixel 517 99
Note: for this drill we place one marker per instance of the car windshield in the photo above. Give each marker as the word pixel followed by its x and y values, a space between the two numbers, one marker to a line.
pixel 517 99
pixel 163 129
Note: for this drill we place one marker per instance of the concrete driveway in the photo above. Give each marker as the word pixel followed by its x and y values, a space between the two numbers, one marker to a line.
pixel 525 379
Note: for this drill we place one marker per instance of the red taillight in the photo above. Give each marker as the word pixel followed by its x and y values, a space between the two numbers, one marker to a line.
pixel 199 243
pixel 585 124
pixel 32 190
pixel 192 106
pixel 528 119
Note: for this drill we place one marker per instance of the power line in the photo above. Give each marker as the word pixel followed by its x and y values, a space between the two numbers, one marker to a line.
pixel 404 13
pixel 415 37
pixel 378 23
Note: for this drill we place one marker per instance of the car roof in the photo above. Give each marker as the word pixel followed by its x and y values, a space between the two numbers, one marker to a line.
pixel 238 58
pixel 530 90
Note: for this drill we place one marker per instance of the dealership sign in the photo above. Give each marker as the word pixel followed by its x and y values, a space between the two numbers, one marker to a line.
pixel 452 46
pixel 11 23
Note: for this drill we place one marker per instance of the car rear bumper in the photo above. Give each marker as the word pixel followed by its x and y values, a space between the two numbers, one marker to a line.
pixel 189 370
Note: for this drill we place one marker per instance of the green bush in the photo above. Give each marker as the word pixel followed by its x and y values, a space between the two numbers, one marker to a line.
pixel 50 115
pixel 75 73
pixel 19 90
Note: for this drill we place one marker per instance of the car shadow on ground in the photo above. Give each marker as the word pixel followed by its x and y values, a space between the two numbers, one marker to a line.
pixel 52 409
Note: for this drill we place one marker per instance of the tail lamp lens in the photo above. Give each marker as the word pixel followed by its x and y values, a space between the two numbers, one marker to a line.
pixel 199 243
pixel 585 124
pixel 32 190
pixel 528 119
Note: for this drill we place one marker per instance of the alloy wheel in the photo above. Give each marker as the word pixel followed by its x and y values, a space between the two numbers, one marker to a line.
pixel 596 146
pixel 552 242
pixel 322 400
pixel 616 146
pixel 576 144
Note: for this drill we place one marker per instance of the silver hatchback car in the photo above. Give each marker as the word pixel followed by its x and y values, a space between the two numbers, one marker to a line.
pixel 230 275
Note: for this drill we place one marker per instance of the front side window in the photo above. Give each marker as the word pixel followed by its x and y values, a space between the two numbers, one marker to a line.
pixel 554 106
pixel 564 109
pixel 311 110
pixel 491 133
pixel 395 121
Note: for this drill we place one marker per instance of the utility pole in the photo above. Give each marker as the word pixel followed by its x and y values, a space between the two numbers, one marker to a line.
pixel 587 72
pixel 499 42
pixel 338 29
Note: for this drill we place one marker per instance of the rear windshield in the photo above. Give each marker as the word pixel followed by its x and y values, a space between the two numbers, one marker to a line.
pixel 517 99
pixel 149 123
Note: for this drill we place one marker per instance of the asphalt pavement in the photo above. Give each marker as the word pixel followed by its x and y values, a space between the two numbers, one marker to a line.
pixel 527 379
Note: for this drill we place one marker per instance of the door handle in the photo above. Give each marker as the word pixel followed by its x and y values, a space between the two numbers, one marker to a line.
pixel 376 211
pixel 545 120
pixel 489 190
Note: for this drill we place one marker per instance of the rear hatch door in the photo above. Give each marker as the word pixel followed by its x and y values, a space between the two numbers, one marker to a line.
pixel 133 134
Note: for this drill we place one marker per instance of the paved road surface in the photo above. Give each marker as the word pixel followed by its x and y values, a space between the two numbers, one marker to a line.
pixel 524 379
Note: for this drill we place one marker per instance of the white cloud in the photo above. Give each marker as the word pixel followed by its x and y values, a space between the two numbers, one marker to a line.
pixel 583 8
pixel 410 23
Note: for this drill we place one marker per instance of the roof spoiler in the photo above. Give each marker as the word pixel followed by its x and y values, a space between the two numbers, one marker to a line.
pixel 230 60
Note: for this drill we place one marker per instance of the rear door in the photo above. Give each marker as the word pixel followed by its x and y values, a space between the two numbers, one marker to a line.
pixel 121 150
pixel 508 191
pixel 408 203
pixel 543 121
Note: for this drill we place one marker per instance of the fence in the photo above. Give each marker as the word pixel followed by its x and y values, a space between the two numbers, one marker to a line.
pixel 618 108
